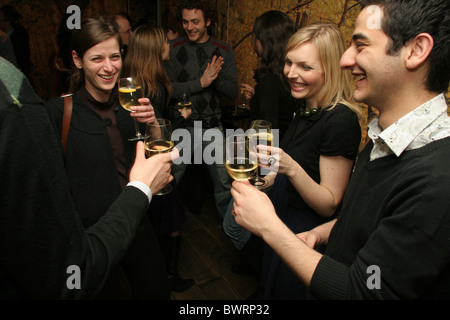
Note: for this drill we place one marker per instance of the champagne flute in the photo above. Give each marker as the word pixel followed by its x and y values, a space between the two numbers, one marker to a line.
pixel 260 133
pixel 185 101
pixel 158 139
pixel 240 160
pixel 129 94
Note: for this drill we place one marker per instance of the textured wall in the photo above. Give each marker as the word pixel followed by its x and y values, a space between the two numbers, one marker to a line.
pixel 41 19
pixel 236 19
pixel 233 23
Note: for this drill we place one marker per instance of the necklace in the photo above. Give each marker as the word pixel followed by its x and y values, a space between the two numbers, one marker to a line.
pixel 303 113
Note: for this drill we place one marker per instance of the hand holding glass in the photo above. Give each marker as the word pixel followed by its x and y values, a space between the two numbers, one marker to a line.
pixel 185 101
pixel 240 158
pixel 129 94
pixel 158 139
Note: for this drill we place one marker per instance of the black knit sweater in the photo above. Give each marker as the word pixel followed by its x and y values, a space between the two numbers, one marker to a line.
pixel 396 216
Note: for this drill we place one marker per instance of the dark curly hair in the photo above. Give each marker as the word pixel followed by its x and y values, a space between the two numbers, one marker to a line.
pixel 202 5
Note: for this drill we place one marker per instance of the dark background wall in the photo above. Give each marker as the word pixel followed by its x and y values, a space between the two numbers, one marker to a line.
pixel 232 22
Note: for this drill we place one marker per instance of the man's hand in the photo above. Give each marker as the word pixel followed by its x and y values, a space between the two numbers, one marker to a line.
pixel 154 171
pixel 211 72
pixel 252 208
pixel 145 112
pixel 317 236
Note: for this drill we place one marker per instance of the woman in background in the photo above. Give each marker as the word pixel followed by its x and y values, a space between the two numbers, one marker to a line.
pixel 147 51
pixel 271 100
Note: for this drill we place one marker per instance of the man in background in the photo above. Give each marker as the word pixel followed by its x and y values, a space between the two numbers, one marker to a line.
pixel 205 68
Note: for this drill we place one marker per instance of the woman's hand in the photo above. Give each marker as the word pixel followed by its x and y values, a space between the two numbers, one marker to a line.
pixel 275 159
pixel 143 113
pixel 317 236
pixel 185 112
pixel 247 90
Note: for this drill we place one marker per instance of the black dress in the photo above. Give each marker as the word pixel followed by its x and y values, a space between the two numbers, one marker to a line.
pixel 329 133
pixel 272 102
pixel 166 212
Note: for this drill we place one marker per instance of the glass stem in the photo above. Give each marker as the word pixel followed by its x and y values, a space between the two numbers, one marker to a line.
pixel 136 127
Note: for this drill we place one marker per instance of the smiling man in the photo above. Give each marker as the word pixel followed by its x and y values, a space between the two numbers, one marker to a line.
pixel 205 68
pixel 391 239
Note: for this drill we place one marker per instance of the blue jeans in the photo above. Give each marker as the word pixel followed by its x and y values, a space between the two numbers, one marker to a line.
pixel 219 176
pixel 238 235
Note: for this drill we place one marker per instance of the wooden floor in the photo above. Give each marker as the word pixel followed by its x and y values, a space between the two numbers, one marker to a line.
pixel 207 256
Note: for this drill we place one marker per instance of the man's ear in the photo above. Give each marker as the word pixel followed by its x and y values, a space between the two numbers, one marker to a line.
pixel 419 50
pixel 208 22
pixel 77 60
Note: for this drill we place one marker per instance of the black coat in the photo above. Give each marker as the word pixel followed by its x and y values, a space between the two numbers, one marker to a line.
pixel 89 157
pixel 40 232
pixel 95 185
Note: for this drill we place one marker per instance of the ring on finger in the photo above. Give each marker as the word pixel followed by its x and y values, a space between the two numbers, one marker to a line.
pixel 271 161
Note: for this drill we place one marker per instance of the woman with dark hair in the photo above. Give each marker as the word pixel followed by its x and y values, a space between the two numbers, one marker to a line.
pixel 271 100
pixel 148 50
pixel 98 154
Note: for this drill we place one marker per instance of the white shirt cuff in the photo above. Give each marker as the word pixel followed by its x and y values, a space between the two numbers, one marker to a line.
pixel 143 187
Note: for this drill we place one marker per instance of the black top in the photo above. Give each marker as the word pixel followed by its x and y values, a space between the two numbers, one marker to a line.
pixel 162 110
pixel 335 132
pixel 272 102
pixel 91 164
pixel 395 216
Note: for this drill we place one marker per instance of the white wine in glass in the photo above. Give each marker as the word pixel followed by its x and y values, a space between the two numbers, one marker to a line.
pixel 158 140
pixel 260 134
pixel 185 101
pixel 129 94
pixel 240 162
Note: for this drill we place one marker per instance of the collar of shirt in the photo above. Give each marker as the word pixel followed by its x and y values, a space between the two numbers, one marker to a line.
pixel 414 130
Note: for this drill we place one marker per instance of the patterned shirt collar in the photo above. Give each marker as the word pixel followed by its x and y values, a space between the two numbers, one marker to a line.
pixel 417 126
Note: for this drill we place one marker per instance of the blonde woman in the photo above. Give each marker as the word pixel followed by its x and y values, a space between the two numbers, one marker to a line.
pixel 317 152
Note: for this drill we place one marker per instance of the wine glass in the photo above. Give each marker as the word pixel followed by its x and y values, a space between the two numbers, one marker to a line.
pixel 158 139
pixel 240 159
pixel 185 101
pixel 129 93
pixel 260 133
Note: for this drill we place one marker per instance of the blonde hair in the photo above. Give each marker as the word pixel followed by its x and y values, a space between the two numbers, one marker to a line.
pixel 338 84
pixel 144 59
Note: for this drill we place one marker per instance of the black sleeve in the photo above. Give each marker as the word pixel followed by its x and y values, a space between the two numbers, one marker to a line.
pixel 40 232
pixel 268 98
pixel 342 133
